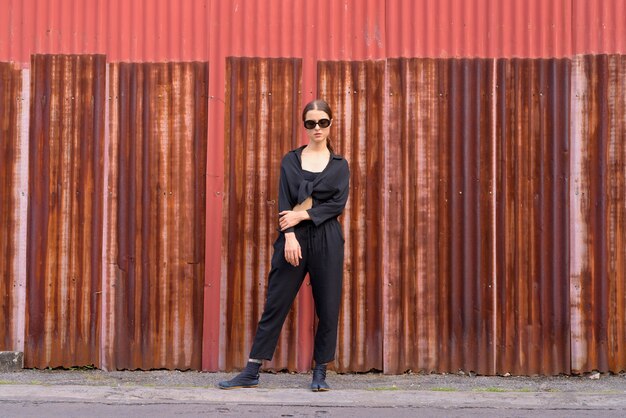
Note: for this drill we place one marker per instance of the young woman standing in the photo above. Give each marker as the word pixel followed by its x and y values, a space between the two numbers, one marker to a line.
pixel 313 192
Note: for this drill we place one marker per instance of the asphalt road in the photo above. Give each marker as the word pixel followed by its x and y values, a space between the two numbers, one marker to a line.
pixel 80 410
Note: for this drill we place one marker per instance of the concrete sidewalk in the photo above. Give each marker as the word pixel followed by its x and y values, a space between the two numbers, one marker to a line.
pixel 299 397
pixel 450 392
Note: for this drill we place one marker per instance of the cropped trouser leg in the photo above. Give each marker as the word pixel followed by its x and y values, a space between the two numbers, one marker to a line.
pixel 322 257
pixel 326 274
pixel 283 283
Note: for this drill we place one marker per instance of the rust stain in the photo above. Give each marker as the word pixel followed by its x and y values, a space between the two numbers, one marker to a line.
pixel 616 213
pixel 484 232
pixel 10 155
pixel 439 217
pixel 355 93
pixel 533 227
pixel 65 210
pixel 411 191
pixel 262 124
pixel 156 215
pixel 598 247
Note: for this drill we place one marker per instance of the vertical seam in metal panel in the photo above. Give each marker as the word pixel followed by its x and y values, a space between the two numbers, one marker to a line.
pixel 22 167
pixel 104 294
pixel 494 232
pixel 214 281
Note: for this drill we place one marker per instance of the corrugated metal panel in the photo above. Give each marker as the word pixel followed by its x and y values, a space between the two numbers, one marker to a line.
pixel 154 30
pixel 598 249
pixel 412 206
pixel 65 211
pixel 495 28
pixel 439 217
pixel 533 237
pixel 479 28
pixel 615 194
pixel 355 93
pixel 597 27
pixel 13 152
pixel 262 124
pixel 154 252
pixel 161 30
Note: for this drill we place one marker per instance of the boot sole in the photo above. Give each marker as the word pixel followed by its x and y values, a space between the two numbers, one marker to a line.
pixel 320 390
pixel 238 387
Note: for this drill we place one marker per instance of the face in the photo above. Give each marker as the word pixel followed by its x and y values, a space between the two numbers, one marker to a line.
pixel 317 133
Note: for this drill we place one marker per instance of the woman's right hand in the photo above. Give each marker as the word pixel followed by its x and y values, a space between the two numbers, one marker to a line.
pixel 293 252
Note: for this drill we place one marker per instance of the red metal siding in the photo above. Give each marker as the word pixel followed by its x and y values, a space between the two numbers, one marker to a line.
pixel 532 221
pixel 262 124
pixel 598 317
pixel 154 252
pixel 479 28
pixel 163 30
pixel 125 31
pixel 480 194
pixel 65 210
pixel 11 153
pixel 355 92
pixel 597 27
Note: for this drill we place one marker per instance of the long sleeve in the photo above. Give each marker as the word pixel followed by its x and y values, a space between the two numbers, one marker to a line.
pixel 283 195
pixel 334 206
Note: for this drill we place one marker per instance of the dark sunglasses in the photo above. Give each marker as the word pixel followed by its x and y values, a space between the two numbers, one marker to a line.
pixel 323 123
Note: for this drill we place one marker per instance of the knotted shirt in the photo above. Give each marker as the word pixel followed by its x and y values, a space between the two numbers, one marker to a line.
pixel 329 190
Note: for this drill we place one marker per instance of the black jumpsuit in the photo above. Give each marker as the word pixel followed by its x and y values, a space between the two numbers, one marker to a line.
pixel 322 245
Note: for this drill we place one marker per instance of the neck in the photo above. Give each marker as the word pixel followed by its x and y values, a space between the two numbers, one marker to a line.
pixel 317 147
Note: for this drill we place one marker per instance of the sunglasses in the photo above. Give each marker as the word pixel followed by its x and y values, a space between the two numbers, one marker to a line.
pixel 323 123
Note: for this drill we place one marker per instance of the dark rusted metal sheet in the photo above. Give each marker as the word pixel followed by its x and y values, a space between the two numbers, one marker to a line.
pixel 65 210
pixel 356 94
pixel 533 216
pixel 13 176
pixel 155 217
pixel 598 248
pixel 439 267
pixel 262 124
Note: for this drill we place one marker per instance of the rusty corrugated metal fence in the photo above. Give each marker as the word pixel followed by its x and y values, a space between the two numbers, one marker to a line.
pixel 485 227
pixel 458 228
pixel 598 213
pixel 356 90
pixel 261 126
pixel 154 246
pixel 64 250
pixel 13 191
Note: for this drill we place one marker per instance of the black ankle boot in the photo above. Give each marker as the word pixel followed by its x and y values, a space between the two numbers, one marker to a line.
pixel 319 379
pixel 248 378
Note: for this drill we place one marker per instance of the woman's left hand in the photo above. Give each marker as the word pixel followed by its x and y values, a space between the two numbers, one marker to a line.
pixel 289 218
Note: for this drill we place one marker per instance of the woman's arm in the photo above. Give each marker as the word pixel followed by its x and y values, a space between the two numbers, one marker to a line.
pixel 293 252
pixel 283 198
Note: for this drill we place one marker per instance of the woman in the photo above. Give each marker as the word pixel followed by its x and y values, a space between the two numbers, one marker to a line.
pixel 313 191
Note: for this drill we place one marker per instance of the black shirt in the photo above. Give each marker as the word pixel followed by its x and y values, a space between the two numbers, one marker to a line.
pixel 309 175
pixel 329 189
